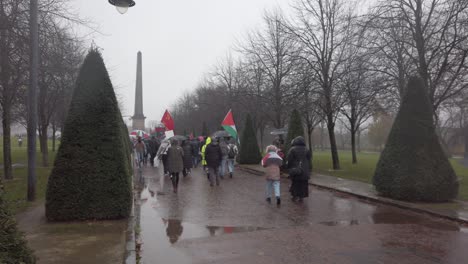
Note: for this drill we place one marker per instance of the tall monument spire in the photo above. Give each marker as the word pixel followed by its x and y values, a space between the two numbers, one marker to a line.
pixel 138 117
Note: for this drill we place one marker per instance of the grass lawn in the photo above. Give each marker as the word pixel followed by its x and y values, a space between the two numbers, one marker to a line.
pixel 364 170
pixel 16 189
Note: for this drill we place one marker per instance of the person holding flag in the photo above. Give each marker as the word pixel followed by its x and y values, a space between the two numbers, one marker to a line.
pixel 168 123
pixel 229 125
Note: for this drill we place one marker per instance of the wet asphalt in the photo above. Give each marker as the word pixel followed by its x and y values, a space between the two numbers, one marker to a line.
pixel 232 223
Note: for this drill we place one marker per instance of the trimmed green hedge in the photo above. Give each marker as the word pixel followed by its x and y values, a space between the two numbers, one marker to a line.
pixel 13 247
pixel 413 165
pixel 91 175
pixel 249 150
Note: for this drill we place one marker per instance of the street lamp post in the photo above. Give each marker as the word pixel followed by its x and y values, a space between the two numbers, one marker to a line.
pixel 122 6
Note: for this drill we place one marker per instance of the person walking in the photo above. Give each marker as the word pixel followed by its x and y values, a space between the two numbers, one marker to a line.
pixel 203 154
pixel 140 149
pixel 162 154
pixel 153 146
pixel 272 162
pixel 187 147
pixel 224 150
pixel 213 156
pixel 299 158
pixel 175 162
pixel 195 152
pixel 231 159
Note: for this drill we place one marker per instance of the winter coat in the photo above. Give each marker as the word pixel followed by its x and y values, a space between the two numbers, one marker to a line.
pixel 234 149
pixel 272 163
pixel 297 153
pixel 195 147
pixel 175 159
pixel 140 147
pixel 213 155
pixel 187 147
pixel 163 148
pixel 153 146
pixel 203 150
pixel 224 149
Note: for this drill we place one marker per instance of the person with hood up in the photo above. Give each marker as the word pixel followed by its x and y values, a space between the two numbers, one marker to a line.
pixel 188 161
pixel 175 162
pixel 213 157
pixel 162 154
pixel 153 146
pixel 272 162
pixel 299 159
pixel 140 149
pixel 203 150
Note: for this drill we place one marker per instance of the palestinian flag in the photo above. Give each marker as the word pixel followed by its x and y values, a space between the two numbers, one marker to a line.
pixel 228 125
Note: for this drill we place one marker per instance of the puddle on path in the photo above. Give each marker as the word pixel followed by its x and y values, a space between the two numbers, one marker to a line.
pixel 160 235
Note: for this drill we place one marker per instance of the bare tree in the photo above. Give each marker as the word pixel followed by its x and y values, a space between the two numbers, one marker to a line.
pixel 322 28
pixel 13 65
pixel 438 46
pixel 276 51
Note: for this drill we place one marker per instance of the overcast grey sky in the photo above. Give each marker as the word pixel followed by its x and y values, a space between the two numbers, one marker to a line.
pixel 180 41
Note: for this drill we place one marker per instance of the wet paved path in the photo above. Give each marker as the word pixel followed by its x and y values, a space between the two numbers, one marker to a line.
pixel 232 223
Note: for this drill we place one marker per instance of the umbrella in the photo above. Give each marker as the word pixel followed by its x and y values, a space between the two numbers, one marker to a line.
pixel 139 133
pixel 280 131
pixel 221 133
pixel 179 138
pixel 273 158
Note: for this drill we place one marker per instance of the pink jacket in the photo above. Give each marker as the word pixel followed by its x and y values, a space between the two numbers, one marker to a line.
pixel 272 162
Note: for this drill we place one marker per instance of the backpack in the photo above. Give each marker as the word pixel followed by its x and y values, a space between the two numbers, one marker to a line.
pixel 232 152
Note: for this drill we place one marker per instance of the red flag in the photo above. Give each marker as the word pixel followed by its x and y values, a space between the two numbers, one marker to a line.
pixel 168 121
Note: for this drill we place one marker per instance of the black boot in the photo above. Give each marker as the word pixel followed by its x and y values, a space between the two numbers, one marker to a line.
pixel 278 200
pixel 230 174
pixel 268 200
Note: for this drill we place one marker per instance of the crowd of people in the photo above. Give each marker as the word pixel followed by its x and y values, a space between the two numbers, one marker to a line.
pixel 217 155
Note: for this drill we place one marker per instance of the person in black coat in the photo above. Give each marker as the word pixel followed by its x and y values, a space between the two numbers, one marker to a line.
pixel 213 157
pixel 153 146
pixel 187 147
pixel 299 157
pixel 195 152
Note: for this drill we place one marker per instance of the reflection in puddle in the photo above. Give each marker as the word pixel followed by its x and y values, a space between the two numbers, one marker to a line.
pixel 340 223
pixel 176 228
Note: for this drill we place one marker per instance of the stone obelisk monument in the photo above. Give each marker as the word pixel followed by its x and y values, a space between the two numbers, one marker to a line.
pixel 138 118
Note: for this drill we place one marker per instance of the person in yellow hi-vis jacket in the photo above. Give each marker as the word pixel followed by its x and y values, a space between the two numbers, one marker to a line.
pixel 208 141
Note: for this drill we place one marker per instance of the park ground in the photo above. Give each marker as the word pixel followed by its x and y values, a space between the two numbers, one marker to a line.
pixel 363 171
pixel 233 223
pixel 228 223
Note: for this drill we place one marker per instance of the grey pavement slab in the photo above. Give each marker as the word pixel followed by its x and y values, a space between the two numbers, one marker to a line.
pixel 456 210
pixel 233 223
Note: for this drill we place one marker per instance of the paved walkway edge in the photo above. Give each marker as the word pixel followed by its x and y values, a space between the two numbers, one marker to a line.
pixel 382 200
pixel 130 250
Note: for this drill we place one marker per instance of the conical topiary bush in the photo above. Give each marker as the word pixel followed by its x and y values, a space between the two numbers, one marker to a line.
pixel 90 178
pixel 295 129
pixel 13 248
pixel 413 165
pixel 249 151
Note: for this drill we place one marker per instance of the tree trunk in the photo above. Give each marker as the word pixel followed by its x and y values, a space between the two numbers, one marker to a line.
pixel 333 147
pixel 7 167
pixel 353 145
pixel 466 141
pixel 359 140
pixel 54 131
pixel 322 148
pixel 309 135
pixel 44 148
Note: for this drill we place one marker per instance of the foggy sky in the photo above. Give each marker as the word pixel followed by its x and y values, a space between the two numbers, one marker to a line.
pixel 180 41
